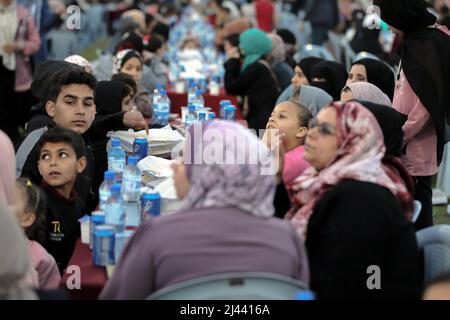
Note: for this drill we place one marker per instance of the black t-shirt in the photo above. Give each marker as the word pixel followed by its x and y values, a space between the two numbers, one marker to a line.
pixel 63 227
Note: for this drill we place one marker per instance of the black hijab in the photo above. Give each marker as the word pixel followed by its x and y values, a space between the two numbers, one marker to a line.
pixel 391 122
pixel 307 64
pixel 379 74
pixel 425 54
pixel 334 74
pixel 109 96
pixel 365 39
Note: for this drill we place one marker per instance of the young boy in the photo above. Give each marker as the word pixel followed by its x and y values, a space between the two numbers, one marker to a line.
pixel 61 159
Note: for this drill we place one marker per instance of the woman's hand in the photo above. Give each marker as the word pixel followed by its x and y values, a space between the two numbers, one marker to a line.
pixel 233 53
pixel 135 119
pixel 9 47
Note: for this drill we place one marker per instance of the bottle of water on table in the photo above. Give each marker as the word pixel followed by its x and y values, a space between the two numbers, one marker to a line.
pixel 114 211
pixel 116 160
pixel 191 116
pixel 191 91
pixel 198 100
pixel 163 109
pixel 131 181
pixel 105 188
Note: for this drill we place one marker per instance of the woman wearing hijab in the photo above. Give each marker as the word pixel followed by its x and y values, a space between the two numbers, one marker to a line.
pixel 252 78
pixel 421 92
pixel 129 62
pixel 111 98
pixel 18 41
pixel 354 212
pixel 329 76
pixel 375 72
pixel 364 91
pixel 222 201
pixel 303 71
pixel 15 265
pixel 277 57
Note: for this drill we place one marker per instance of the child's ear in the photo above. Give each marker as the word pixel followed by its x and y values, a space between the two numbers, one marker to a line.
pixel 50 108
pixel 302 132
pixel 81 164
pixel 28 220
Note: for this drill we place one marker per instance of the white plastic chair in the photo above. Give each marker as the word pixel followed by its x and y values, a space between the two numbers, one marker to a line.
pixel 435 243
pixel 416 211
pixel 233 286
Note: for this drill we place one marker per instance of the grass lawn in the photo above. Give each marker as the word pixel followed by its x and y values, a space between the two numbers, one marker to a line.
pixel 440 215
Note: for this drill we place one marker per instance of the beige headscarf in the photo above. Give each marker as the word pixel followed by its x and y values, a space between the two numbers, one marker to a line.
pixel 15 262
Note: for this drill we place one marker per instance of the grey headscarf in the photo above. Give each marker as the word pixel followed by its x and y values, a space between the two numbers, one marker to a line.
pixel 312 98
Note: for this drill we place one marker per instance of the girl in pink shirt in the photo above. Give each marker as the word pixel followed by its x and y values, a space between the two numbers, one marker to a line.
pixel 29 207
pixel 291 119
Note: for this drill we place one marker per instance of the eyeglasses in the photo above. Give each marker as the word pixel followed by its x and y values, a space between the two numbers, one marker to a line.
pixel 325 129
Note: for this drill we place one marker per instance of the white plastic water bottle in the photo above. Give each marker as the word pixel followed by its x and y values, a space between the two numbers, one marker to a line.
pixel 163 110
pixel 156 93
pixel 192 91
pixel 114 212
pixel 116 159
pixel 105 188
pixel 132 180
pixel 198 100
pixel 191 116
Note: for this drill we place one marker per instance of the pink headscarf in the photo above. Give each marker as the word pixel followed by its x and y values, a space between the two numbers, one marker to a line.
pixel 7 169
pixel 358 158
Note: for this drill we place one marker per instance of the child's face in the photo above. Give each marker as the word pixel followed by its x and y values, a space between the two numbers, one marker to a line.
pixel 18 207
pixel 285 117
pixel 58 164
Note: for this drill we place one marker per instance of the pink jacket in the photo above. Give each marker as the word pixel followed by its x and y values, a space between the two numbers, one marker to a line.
pixel 45 266
pixel 419 132
pixel 294 164
pixel 28 37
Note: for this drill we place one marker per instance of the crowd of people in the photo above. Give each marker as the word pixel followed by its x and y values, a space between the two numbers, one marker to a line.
pixel 355 144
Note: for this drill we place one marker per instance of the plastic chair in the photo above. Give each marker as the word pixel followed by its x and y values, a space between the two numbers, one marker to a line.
pixel 233 286
pixel 435 243
pixel 417 209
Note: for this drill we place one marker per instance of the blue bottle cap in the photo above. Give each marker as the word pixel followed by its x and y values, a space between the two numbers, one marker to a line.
pixel 199 92
pixel 163 92
pixel 305 295
pixel 225 103
pixel 211 115
pixel 202 116
pixel 133 160
pixel 191 107
pixel 115 143
pixel 109 175
pixel 115 188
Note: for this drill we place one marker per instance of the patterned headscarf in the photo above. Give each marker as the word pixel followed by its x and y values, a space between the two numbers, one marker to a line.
pixel 245 184
pixel 79 61
pixel 122 57
pixel 368 92
pixel 359 158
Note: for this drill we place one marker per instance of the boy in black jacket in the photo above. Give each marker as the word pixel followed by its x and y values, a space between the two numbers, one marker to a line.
pixel 61 159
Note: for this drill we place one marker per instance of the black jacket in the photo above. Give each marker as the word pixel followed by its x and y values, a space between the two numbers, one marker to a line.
pixel 258 84
pixel 63 227
pixel 354 226
pixel 83 184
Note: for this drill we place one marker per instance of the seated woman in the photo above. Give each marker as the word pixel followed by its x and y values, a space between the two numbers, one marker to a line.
pixel 375 72
pixel 365 91
pixel 354 213
pixel 223 198
pixel 329 76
